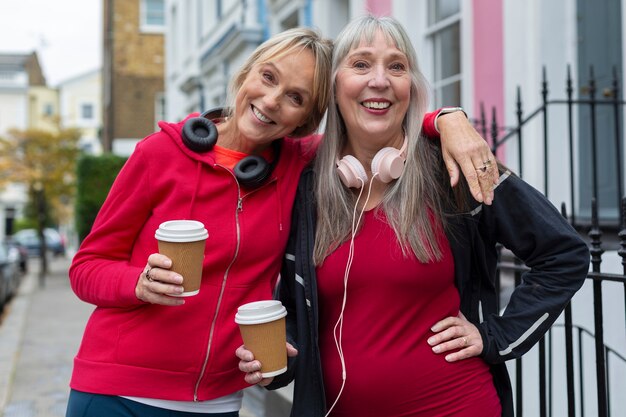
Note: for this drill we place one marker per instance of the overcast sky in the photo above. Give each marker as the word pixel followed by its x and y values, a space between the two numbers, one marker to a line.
pixel 67 34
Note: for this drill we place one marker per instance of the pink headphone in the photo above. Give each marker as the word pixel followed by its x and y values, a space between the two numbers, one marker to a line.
pixel 388 163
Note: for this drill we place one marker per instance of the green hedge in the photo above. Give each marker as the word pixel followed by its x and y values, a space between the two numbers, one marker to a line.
pixel 94 177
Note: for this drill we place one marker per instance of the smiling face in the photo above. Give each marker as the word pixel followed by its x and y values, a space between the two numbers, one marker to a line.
pixel 373 90
pixel 275 98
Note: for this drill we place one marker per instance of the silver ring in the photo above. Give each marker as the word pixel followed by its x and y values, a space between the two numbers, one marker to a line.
pixel 483 168
pixel 148 274
pixel 487 162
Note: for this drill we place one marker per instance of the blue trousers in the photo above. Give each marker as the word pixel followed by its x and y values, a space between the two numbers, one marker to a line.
pixel 83 404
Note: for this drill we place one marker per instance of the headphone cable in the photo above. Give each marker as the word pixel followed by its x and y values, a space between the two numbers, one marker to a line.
pixel 338 342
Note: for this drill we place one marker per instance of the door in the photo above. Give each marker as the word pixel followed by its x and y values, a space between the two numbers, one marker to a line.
pixel 599 46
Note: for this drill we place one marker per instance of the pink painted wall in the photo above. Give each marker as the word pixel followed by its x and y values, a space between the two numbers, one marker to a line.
pixel 488 58
pixel 379 7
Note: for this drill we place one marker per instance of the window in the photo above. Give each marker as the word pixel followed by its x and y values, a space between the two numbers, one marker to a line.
pixel 152 15
pixel 444 20
pixel 48 109
pixel 159 108
pixel 86 111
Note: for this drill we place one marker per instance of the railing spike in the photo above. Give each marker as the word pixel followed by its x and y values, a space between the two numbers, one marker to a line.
pixel 592 83
pixel 483 121
pixel 569 84
pixel 494 125
pixel 595 234
pixel 544 84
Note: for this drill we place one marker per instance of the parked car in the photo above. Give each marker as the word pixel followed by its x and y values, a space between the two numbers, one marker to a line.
pixel 29 239
pixel 9 273
pixel 21 253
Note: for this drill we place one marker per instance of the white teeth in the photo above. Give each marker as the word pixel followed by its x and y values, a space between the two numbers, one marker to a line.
pixel 261 116
pixel 376 105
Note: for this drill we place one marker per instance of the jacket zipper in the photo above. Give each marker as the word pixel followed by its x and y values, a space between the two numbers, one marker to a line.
pixel 225 278
pixel 223 287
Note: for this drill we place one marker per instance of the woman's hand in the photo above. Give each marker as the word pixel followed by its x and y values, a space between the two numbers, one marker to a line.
pixel 157 283
pixel 252 367
pixel 454 333
pixel 464 148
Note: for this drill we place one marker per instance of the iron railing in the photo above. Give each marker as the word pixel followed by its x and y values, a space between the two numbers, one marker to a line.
pixel 576 395
pixel 500 135
pixel 571 345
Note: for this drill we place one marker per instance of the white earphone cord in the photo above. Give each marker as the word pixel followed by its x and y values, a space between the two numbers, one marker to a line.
pixel 338 342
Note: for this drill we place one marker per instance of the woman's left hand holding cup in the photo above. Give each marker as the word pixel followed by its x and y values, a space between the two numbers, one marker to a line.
pixel 252 367
pixel 157 283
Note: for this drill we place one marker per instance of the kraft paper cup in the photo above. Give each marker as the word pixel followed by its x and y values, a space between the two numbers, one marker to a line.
pixel 183 242
pixel 262 327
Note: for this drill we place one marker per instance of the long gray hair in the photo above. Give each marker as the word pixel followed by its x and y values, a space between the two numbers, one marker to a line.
pixel 412 204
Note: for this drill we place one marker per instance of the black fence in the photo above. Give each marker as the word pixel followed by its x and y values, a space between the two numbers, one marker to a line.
pixel 566 339
pixel 606 359
pixel 514 135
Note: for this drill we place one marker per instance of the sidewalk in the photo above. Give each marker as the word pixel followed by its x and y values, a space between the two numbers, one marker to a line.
pixel 40 332
pixel 39 337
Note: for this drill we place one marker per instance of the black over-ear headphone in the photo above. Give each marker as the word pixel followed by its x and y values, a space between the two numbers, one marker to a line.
pixel 200 135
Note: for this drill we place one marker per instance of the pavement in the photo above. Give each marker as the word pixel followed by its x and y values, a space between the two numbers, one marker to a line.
pixel 39 336
pixel 40 331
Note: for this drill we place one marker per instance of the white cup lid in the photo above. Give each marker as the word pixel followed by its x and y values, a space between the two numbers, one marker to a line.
pixel 260 312
pixel 181 231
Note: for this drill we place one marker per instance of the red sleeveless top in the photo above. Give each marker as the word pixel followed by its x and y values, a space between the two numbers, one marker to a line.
pixel 392 302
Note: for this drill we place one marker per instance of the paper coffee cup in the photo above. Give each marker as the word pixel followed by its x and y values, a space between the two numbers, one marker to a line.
pixel 183 242
pixel 262 327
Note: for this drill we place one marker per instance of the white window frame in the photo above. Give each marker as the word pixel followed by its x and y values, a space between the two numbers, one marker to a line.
pixel 143 15
pixel 438 83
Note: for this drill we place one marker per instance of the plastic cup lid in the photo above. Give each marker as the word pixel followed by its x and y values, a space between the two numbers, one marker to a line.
pixel 181 231
pixel 260 312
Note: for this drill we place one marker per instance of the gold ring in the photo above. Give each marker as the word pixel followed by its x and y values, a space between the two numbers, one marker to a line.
pixel 465 341
pixel 487 162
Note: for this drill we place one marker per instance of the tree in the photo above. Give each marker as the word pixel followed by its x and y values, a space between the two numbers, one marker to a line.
pixel 44 162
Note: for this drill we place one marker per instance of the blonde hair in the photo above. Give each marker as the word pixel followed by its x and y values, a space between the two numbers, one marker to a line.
pixel 414 200
pixel 284 43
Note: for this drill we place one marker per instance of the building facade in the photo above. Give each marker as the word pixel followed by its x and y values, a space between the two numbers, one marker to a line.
pixel 80 101
pixel 476 54
pixel 132 77
pixel 22 89
pixel 43 108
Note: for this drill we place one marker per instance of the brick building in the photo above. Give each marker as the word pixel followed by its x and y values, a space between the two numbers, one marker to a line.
pixel 133 67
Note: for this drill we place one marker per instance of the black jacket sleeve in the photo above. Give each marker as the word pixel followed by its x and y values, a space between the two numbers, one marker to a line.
pixel 285 292
pixel 525 222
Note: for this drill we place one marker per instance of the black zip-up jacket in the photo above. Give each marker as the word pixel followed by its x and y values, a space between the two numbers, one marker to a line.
pixel 520 218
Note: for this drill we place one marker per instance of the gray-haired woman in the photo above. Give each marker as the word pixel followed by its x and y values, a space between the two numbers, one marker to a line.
pixel 389 280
